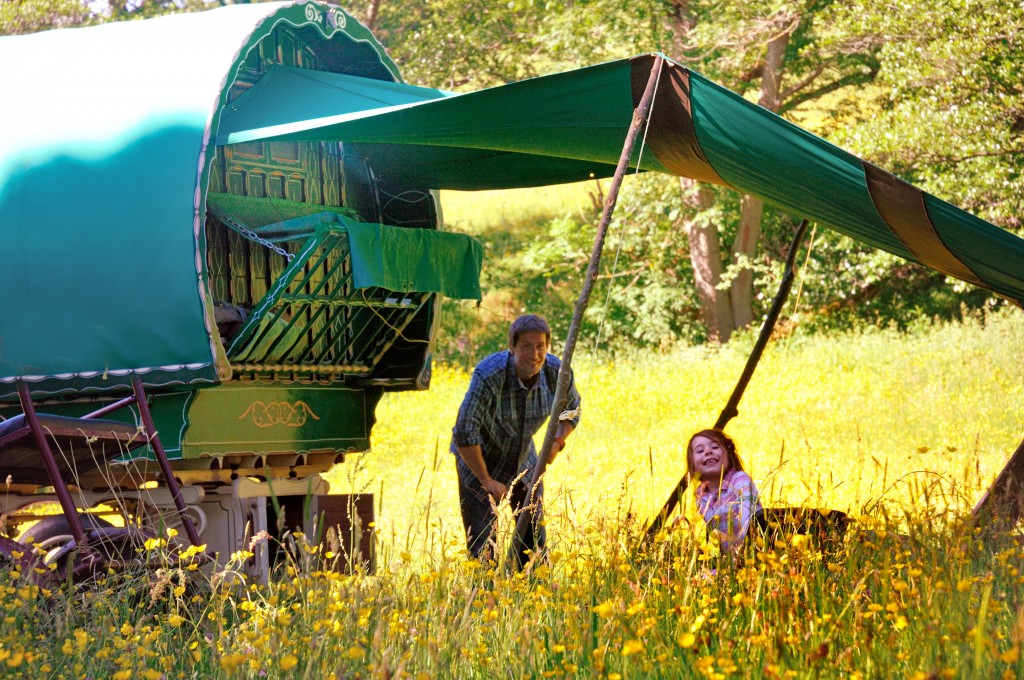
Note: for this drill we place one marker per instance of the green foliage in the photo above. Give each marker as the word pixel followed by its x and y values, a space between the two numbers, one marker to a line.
pixel 951 104
pixel 455 44
pixel 30 16
pixel 641 298
pixel 458 44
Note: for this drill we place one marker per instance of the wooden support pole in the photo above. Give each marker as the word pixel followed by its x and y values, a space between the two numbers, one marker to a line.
pixel 730 411
pixel 640 116
pixel 153 438
pixel 1004 499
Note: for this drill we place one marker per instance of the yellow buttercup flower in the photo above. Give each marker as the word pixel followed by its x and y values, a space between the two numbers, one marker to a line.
pixel 605 609
pixel 632 647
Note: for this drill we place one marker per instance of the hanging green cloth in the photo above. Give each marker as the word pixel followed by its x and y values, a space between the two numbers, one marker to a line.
pixel 422 260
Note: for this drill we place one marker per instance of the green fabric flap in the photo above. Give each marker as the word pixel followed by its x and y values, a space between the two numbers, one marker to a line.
pixel 394 258
pixel 421 260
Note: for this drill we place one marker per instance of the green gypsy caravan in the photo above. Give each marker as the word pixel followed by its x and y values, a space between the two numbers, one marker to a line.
pixel 231 214
pixel 265 294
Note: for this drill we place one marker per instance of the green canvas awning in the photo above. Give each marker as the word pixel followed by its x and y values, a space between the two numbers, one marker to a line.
pixel 571 126
pixel 286 97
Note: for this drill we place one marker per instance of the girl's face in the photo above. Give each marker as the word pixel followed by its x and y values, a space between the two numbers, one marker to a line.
pixel 710 460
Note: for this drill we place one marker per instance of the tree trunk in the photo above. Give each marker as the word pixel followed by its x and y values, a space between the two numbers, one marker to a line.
pixel 706 258
pixel 741 290
pixel 752 209
pixel 371 14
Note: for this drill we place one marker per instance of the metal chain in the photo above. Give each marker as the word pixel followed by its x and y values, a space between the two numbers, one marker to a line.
pixel 251 235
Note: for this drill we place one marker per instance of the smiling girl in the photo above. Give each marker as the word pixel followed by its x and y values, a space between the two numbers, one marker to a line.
pixel 726 495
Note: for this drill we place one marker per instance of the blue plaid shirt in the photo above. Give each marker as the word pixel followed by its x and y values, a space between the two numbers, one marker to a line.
pixel 501 415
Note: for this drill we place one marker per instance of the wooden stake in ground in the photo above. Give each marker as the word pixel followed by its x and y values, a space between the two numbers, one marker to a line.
pixel 730 410
pixel 640 115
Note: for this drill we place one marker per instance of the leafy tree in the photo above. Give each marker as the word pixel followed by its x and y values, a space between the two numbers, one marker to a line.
pixel 30 16
pixel 950 102
pixel 643 296
pixel 784 55
pixel 455 44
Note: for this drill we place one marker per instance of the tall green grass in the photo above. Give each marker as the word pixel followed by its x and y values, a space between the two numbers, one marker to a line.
pixel 902 431
pixel 848 422
pixel 476 212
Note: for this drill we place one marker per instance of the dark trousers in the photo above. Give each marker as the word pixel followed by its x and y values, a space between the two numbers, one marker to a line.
pixel 478 519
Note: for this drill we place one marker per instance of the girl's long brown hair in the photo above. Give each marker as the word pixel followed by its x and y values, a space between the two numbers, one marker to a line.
pixel 733 461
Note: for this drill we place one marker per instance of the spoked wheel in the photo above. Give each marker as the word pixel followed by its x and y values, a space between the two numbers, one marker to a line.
pixel 158 521
pixel 51 534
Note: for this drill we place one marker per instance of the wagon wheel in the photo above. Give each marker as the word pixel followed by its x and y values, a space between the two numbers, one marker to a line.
pixel 149 518
pixel 51 534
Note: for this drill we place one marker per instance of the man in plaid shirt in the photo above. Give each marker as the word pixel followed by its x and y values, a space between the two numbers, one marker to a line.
pixel 510 396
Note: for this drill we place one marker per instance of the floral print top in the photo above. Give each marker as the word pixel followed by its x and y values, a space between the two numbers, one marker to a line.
pixel 728 508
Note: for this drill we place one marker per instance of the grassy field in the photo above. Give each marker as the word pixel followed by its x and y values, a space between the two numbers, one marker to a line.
pixel 474 212
pixel 901 431
pixel 845 423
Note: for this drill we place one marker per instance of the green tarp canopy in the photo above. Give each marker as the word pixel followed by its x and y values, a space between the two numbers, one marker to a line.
pixel 571 126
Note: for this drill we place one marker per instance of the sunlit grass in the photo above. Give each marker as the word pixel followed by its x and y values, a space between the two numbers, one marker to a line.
pixel 475 212
pixel 844 423
pixel 919 423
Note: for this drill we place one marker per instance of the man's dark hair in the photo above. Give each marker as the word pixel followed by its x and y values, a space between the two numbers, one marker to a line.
pixel 528 323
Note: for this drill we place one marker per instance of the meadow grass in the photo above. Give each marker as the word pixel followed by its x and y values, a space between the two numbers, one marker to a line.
pixel 475 212
pixel 846 422
pixel 900 431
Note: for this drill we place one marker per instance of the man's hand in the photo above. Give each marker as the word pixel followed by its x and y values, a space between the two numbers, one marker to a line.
pixel 474 457
pixel 495 488
pixel 556 448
